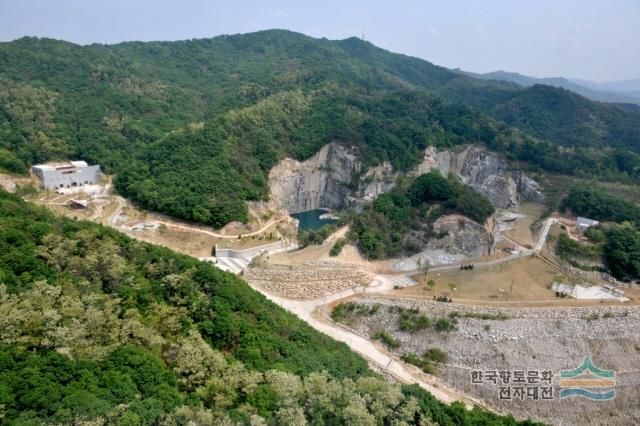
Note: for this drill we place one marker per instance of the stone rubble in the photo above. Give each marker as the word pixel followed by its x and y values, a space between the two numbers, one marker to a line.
pixel 310 280
pixel 550 338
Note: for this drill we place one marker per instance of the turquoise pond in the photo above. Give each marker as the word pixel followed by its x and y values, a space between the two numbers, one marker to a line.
pixel 311 219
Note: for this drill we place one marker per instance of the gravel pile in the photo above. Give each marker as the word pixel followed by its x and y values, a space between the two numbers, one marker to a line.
pixel 309 281
pixel 529 338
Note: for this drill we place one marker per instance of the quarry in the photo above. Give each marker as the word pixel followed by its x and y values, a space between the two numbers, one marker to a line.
pixel 508 312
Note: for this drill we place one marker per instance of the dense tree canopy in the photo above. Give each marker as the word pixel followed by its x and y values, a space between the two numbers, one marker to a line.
pixel 96 327
pixel 622 252
pixel 385 227
pixel 191 128
pixel 595 203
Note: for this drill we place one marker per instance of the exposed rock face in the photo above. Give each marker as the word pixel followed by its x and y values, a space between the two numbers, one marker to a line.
pixel 529 189
pixel 461 235
pixel 320 181
pixel 377 180
pixel 324 181
pixel 486 173
pixel 456 238
pixel 501 191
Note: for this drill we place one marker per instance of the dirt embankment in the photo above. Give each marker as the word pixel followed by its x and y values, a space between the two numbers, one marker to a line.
pixel 309 280
pixel 526 339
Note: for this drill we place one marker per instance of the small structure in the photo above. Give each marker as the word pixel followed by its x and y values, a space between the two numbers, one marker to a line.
pixel 67 175
pixel 582 224
pixel 77 204
pixel 512 249
pixel 577 291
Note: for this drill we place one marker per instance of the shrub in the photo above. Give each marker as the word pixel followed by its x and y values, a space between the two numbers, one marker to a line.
pixel 387 339
pixel 337 247
pixel 413 320
pixel 445 324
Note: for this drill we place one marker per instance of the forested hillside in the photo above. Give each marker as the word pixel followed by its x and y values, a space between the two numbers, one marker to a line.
pixel 619 233
pixel 382 229
pixel 96 327
pixel 191 128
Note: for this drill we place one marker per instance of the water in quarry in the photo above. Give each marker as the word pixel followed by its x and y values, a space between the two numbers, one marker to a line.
pixel 311 219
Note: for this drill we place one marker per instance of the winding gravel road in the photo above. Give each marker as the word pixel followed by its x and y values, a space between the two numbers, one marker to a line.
pixel 308 310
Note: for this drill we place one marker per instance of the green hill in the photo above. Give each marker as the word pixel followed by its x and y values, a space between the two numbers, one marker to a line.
pixel 595 94
pixel 191 128
pixel 97 328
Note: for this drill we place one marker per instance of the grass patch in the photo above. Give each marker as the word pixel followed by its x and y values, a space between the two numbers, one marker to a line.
pixel 387 339
pixel 482 316
pixel 350 310
pixel 337 247
pixel 427 360
pixel 413 320
pixel 591 317
pixel 444 324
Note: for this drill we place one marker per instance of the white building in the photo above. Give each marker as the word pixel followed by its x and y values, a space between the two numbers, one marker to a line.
pixel 74 173
pixel 582 224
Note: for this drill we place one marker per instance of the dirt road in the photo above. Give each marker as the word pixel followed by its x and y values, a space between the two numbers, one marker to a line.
pixel 523 252
pixel 215 234
pixel 308 310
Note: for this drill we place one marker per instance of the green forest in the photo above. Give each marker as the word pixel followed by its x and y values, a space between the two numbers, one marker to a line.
pixel 621 245
pixel 191 128
pixel 381 230
pixel 97 327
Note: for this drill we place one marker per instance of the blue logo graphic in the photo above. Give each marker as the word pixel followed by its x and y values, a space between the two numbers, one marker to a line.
pixel 588 381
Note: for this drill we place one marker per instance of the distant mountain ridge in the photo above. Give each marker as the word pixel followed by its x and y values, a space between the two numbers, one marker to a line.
pixel 191 128
pixel 621 86
pixel 611 92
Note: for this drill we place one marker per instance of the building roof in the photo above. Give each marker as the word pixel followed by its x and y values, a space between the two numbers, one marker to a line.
pixel 583 221
pixel 58 166
pixel 83 203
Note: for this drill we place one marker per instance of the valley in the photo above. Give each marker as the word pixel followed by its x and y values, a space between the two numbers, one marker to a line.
pixel 272 229
pixel 511 277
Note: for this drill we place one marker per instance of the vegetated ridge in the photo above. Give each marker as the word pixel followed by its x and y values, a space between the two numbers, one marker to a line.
pixel 191 128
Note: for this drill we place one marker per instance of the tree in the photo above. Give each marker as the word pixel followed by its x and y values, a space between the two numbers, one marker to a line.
pixel 431 187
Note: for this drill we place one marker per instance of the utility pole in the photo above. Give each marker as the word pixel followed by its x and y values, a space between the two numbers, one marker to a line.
pixel 510 290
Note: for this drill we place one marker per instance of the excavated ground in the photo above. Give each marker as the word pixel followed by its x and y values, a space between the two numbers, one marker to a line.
pixel 309 280
pixel 529 339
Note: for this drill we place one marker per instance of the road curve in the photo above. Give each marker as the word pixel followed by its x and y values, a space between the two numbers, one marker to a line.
pixel 215 234
pixel 306 310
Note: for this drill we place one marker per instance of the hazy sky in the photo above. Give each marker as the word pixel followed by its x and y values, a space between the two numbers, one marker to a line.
pixel 591 39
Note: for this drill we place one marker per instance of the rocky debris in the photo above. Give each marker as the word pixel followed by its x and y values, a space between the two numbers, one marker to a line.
pixel 9 182
pixel 451 238
pixel 427 257
pixel 461 235
pixel 310 280
pixel 527 339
